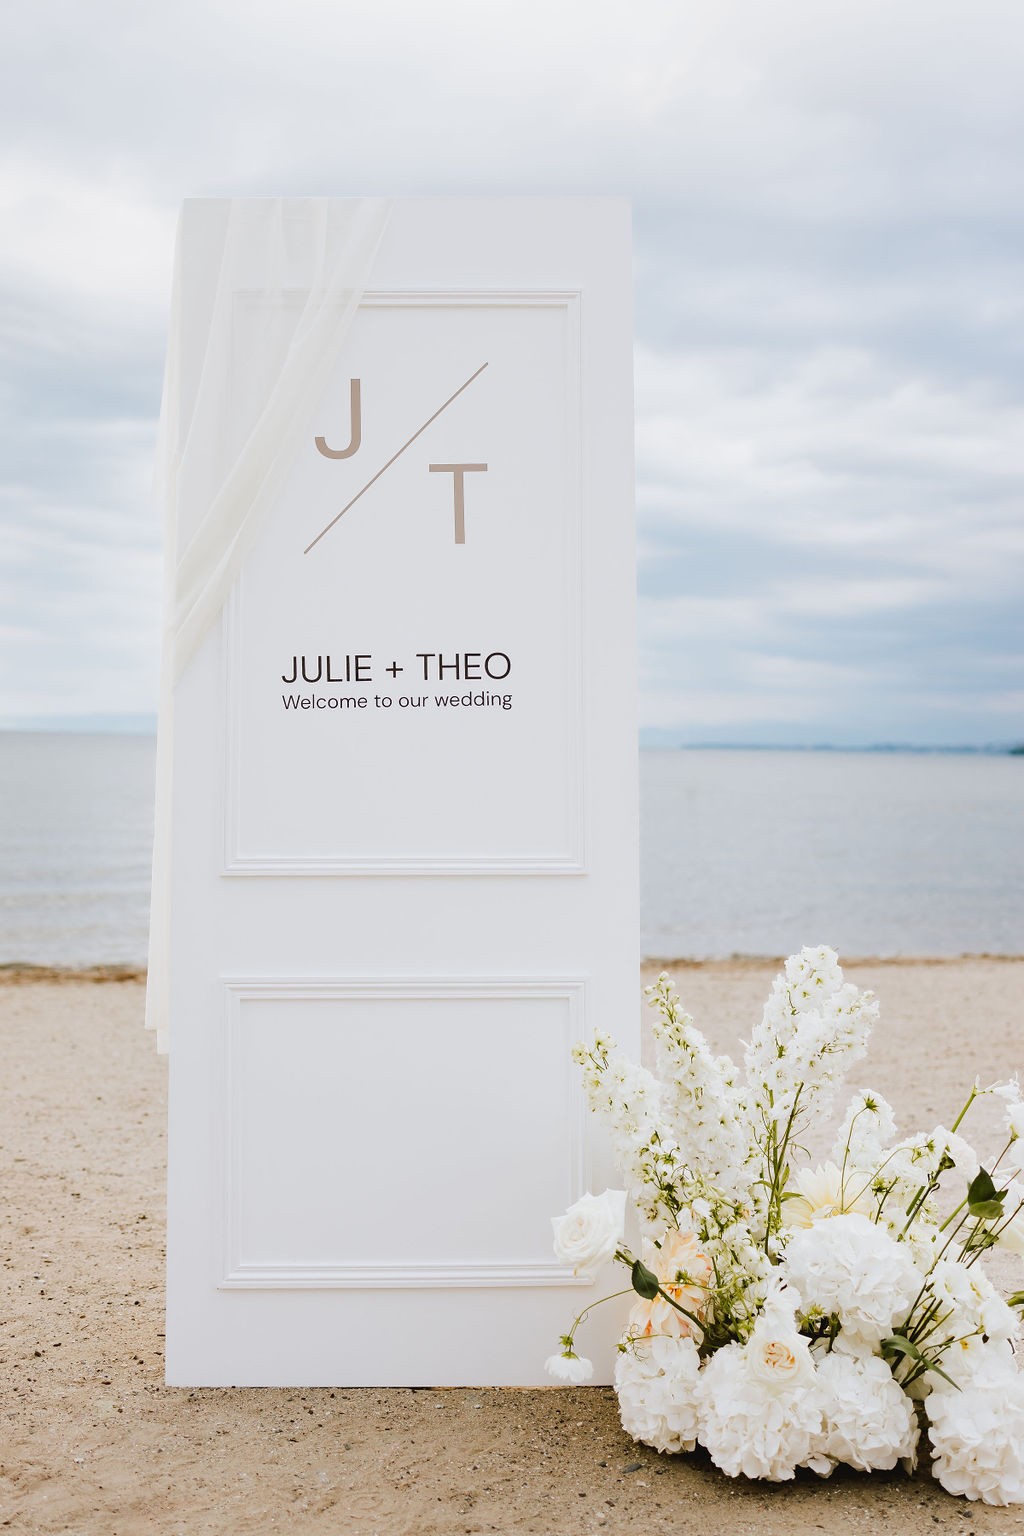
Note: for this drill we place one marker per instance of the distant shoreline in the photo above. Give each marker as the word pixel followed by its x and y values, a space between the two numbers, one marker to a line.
pixel 18 973
pixel 650 740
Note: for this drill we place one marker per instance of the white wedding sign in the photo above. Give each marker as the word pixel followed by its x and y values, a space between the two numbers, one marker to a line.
pixel 403 844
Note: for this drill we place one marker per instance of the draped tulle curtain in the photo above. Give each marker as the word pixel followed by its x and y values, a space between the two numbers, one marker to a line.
pixel 227 439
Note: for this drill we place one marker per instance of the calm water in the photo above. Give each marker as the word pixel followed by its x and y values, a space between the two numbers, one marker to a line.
pixel 741 852
pixel 76 828
pixel 874 853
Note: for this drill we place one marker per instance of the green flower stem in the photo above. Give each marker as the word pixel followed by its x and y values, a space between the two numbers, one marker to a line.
pixel 995 1231
pixel 695 1320
pixel 952 1217
pixel 776 1160
pixel 569 1337
pixel 957 1122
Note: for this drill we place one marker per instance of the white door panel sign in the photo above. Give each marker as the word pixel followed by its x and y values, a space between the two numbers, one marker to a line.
pixel 403 877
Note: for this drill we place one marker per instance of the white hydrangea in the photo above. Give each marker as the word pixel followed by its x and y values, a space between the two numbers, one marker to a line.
pixel 970 1357
pixel 656 1381
pixel 759 1405
pixel 977 1432
pixel 870 1422
pixel 849 1267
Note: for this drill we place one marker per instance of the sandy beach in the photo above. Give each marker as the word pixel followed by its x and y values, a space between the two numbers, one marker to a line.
pixel 93 1442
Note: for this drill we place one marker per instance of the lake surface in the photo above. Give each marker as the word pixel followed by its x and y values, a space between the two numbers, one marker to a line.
pixel 742 852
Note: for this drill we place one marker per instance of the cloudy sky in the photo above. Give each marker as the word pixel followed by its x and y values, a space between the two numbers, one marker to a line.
pixel 829 217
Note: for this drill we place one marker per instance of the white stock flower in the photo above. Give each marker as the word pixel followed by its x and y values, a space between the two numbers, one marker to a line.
pixel 959 1151
pixel 868 1127
pixel 968 1359
pixel 656 1381
pixel 849 1267
pixel 1015 1120
pixel 813 973
pixel 999 1322
pixel 870 1423
pixel 1011 1229
pixel 570 1368
pixel 969 1302
pixel 759 1406
pixel 590 1231
pixel 977 1433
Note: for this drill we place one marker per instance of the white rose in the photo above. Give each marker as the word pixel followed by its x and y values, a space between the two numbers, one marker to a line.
pixel 778 1357
pixel 570 1368
pixel 590 1231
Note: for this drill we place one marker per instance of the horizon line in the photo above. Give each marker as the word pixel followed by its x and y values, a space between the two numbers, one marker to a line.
pixel 145 724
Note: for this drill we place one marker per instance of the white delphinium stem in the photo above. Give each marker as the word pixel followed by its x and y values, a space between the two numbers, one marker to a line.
pixel 628 1099
pixel 813 1029
pixel 701 1099
pixel 868 1128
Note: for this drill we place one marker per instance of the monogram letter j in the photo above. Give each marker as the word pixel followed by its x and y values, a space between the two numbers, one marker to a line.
pixel 356 410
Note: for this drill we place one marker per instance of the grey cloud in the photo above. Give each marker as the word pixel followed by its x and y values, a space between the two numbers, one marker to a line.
pixel 829 219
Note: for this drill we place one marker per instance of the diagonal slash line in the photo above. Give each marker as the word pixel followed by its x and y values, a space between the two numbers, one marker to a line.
pixel 338 516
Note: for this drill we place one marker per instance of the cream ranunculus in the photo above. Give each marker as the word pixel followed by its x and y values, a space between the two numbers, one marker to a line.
pixel 590 1231
pixel 685 1274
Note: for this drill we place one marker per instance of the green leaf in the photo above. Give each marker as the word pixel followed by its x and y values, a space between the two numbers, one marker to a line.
pixel 896 1344
pixel 645 1283
pixel 984 1201
pixel 1016 1300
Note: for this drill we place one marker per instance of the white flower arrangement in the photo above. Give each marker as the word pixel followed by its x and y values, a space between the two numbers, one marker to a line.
pixel 789 1316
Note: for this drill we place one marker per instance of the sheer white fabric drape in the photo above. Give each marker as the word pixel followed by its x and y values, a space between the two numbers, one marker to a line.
pixel 224 449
